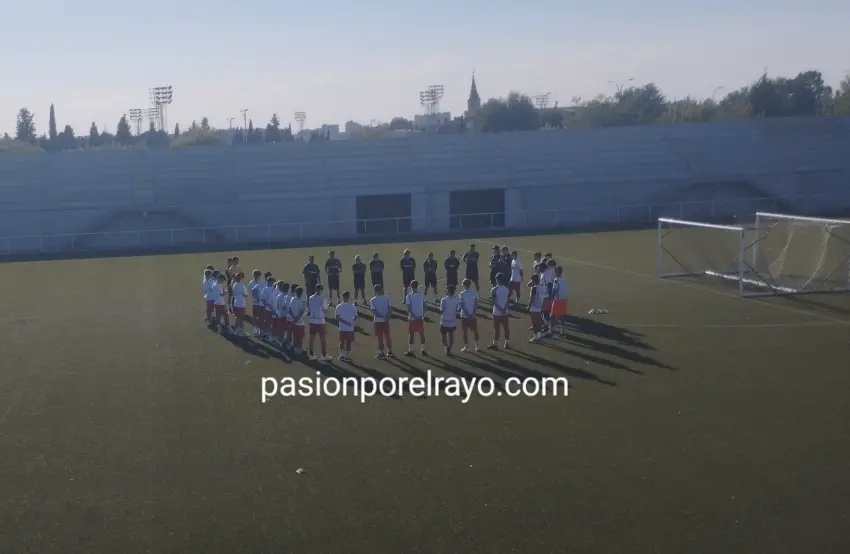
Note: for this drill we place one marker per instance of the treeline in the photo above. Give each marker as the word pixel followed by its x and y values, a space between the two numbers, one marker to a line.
pixel 804 95
pixel 27 140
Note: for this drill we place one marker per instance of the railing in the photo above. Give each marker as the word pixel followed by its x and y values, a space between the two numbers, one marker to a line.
pixel 287 233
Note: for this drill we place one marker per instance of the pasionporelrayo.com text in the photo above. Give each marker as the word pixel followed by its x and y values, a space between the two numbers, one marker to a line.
pixel 366 388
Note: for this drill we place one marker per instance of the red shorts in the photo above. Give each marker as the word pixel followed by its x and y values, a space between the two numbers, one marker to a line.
pixel 514 286
pixel 317 329
pixel 416 326
pixel 470 323
pixel 559 307
pixel 220 309
pixel 382 329
pixel 240 312
pixel 547 305
pixel 500 320
pixel 346 336
pixel 210 307
pixel 257 312
pixel 536 318
pixel 280 325
pixel 298 334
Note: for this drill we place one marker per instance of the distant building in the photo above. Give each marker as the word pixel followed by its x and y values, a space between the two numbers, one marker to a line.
pixel 352 128
pixel 424 121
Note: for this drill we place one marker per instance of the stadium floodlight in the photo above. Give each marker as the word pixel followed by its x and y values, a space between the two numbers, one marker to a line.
pixel 135 115
pixel 300 118
pixel 542 100
pixel 430 100
pixel 621 86
pixel 765 255
pixel 161 97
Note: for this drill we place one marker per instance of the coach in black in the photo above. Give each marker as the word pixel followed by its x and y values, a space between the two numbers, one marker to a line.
pixel 495 264
pixel 429 267
pixel 359 271
pixel 312 276
pixel 333 267
pixel 471 261
pixel 452 264
pixel 376 268
pixel 408 271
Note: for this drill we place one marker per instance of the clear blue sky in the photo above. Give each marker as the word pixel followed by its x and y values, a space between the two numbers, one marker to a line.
pixel 339 60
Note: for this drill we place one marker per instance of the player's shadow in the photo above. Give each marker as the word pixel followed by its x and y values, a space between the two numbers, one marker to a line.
pixel 604 330
pixel 332 369
pixel 502 368
pixel 591 358
pixel 569 371
pixel 256 348
pixel 609 349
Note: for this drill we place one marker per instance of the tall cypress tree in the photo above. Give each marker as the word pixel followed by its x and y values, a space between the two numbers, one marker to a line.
pixel 51 133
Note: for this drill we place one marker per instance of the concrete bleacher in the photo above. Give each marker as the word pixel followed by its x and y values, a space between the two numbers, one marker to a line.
pixel 564 177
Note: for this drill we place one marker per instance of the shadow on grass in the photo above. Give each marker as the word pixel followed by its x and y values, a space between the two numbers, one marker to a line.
pixel 609 349
pixel 604 330
pixel 569 371
pixel 257 348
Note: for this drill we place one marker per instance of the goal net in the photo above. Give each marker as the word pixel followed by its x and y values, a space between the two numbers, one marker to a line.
pixel 765 255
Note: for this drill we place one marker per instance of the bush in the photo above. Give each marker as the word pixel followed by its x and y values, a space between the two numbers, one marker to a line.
pixel 197 137
pixel 14 147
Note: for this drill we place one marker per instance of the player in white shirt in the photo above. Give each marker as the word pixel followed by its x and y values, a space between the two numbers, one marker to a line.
pixel 316 306
pixel 282 309
pixel 449 307
pixel 415 302
pixel 517 274
pixel 297 311
pixel 501 298
pixel 240 301
pixel 346 315
pixel 255 286
pixel 219 293
pixel 468 300
pixel 267 299
pixel 559 300
pixel 208 283
pixel 277 302
pixel 537 297
pixel 381 306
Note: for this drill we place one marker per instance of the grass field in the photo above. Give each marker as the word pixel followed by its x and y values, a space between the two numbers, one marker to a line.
pixel 695 422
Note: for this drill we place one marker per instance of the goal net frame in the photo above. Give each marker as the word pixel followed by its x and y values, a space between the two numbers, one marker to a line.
pixel 743 269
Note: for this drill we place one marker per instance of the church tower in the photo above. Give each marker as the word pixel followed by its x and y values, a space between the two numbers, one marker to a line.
pixel 473 103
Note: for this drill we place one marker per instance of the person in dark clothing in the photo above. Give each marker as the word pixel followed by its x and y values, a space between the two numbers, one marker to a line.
pixel 429 267
pixel 333 267
pixel 505 261
pixel 376 268
pixel 495 263
pixel 359 271
pixel 312 276
pixel 452 264
pixel 408 271
pixel 471 261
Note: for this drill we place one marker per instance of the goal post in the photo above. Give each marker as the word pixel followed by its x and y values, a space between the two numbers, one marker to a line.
pixel 694 248
pixel 767 255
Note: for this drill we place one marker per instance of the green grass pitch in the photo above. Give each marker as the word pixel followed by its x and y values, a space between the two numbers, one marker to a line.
pixel 695 421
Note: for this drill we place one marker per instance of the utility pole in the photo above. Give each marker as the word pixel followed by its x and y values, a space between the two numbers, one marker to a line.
pixel 244 125
pixel 230 122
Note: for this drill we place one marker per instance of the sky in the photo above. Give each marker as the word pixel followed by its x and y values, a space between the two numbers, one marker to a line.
pixel 341 60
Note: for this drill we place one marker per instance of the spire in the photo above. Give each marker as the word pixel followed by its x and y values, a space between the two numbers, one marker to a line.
pixel 474 101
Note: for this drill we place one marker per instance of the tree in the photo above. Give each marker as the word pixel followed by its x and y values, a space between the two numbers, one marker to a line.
pixel 401 124
pixel 6 136
pixel 205 124
pixel 122 132
pixel 286 134
pixel 515 113
pixel 176 130
pixel 25 126
pixel 273 133
pixel 51 133
pixel 66 139
pixel 94 136
pixel 841 102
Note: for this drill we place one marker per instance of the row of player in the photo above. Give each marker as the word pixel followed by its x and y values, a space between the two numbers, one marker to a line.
pixel 502 261
pixel 281 314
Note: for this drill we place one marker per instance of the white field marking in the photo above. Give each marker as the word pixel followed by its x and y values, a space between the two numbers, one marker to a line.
pixel 694 286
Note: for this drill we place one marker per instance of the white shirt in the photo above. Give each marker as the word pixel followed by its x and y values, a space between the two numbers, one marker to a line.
pixel 516 271
pixel 538 295
pixel 415 303
pixel 559 289
pixel 256 288
pixel 207 284
pixel 240 293
pixel 297 311
pixel 468 303
pixel 500 300
pixel 550 274
pixel 448 311
pixel 217 293
pixel 381 308
pixel 267 297
pixel 316 307
pixel 208 290
pixel 346 313
pixel 282 304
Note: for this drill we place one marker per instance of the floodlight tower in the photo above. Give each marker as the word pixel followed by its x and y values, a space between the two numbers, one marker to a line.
pixel 136 117
pixel 430 100
pixel 152 114
pixel 160 98
pixel 300 117
pixel 542 101
pixel 230 122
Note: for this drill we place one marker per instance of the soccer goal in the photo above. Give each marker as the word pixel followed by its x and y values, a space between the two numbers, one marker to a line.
pixel 766 255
